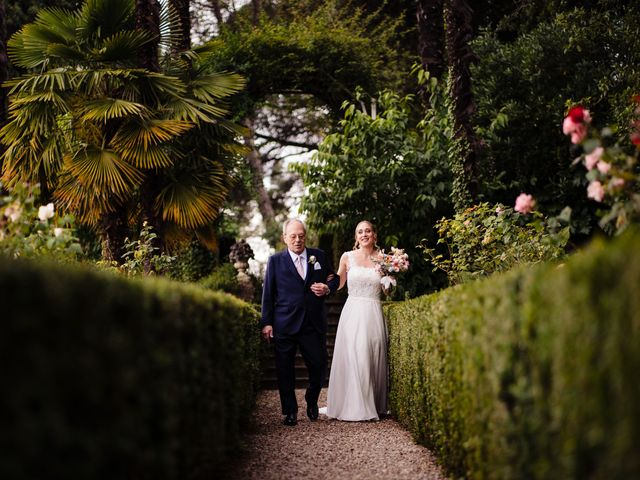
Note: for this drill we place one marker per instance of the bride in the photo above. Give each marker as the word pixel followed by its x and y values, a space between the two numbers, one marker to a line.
pixel 358 380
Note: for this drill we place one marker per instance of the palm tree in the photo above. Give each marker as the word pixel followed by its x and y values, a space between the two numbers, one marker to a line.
pixel 90 125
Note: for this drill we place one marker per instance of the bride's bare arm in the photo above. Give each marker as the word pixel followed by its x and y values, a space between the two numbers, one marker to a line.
pixel 342 270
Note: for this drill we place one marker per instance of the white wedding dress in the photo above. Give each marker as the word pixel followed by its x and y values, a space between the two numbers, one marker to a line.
pixel 358 380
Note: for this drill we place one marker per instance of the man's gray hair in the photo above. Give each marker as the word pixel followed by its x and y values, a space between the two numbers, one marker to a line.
pixel 291 220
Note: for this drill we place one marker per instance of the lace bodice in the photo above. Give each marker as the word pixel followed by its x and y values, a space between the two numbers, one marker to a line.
pixel 362 281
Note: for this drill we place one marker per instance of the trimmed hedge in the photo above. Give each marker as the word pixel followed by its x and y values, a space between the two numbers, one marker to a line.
pixel 531 374
pixel 109 378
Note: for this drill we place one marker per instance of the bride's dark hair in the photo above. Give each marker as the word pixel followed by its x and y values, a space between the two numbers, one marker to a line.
pixel 373 229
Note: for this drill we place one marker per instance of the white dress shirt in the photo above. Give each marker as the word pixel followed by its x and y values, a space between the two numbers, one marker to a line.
pixel 303 260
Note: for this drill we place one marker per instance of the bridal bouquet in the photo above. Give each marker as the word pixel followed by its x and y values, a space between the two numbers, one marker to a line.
pixel 388 264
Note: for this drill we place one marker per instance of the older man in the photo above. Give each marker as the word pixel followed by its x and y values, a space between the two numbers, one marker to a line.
pixel 296 283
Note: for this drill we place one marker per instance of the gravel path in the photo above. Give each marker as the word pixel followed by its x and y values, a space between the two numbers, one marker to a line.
pixel 328 449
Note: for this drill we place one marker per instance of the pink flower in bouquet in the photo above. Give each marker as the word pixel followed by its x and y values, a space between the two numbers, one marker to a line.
pixel 603 167
pixel 387 264
pixel 525 203
pixel 592 159
pixel 617 182
pixel 575 123
pixel 595 190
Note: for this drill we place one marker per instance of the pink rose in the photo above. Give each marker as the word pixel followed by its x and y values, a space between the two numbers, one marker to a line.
pixel 595 190
pixel 603 167
pixel 592 159
pixel 525 203
pixel 617 182
pixel 575 124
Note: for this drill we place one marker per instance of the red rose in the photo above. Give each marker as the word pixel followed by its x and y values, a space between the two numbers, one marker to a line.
pixel 577 114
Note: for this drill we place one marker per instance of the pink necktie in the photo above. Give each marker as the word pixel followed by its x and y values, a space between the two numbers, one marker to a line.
pixel 299 266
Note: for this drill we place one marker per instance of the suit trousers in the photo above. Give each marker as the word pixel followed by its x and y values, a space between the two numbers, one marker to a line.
pixel 313 347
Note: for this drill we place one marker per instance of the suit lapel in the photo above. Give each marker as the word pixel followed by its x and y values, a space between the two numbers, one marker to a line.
pixel 307 279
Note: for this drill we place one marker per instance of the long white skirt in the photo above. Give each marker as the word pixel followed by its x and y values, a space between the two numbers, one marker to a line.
pixel 358 380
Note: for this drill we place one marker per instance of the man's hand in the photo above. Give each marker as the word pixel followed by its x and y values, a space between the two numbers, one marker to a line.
pixel 267 333
pixel 320 289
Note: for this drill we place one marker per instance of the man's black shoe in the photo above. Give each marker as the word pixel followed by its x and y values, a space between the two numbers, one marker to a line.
pixel 290 420
pixel 312 412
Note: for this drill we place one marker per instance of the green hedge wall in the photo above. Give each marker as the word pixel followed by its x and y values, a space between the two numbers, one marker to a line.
pixel 534 374
pixel 109 378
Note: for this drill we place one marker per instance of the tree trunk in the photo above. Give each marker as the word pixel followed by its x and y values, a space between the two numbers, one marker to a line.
pixel 255 12
pixel 148 18
pixel 459 32
pixel 113 231
pixel 255 162
pixel 4 69
pixel 431 37
pixel 182 7
pixel 217 12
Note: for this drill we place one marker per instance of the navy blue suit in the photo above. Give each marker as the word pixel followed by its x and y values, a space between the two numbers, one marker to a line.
pixel 298 319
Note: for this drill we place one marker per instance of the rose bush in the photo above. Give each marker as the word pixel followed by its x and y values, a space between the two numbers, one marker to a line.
pixel 612 167
pixel 28 230
pixel 490 238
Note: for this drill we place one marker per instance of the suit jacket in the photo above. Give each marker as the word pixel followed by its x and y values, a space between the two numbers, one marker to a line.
pixel 287 299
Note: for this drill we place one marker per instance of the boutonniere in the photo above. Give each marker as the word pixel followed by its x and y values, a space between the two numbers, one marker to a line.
pixel 313 261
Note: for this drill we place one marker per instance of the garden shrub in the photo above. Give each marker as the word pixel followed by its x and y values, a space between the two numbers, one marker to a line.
pixel 527 374
pixel 106 377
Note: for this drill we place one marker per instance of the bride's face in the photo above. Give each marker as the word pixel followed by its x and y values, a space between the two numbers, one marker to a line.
pixel 365 236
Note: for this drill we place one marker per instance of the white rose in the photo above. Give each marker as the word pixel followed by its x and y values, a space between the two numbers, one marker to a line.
pixel 58 231
pixel 45 212
pixel 13 212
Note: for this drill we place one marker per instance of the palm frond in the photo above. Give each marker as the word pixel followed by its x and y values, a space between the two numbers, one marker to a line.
pixel 208 237
pixel 194 111
pixel 87 204
pixel 193 200
pixel 57 79
pixel 104 18
pixel 170 28
pixel 103 170
pixel 211 88
pixel 148 157
pixel 148 133
pixel 50 97
pixel 107 108
pixel 121 46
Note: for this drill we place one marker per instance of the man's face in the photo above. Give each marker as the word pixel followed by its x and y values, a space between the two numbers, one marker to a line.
pixel 295 237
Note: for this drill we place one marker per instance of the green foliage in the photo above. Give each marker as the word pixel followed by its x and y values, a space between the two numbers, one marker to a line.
pixel 117 378
pixel 142 257
pixel 486 238
pixel 192 262
pixel 528 374
pixel 521 89
pixel 385 168
pixel 223 278
pixel 326 52
pixel 29 231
